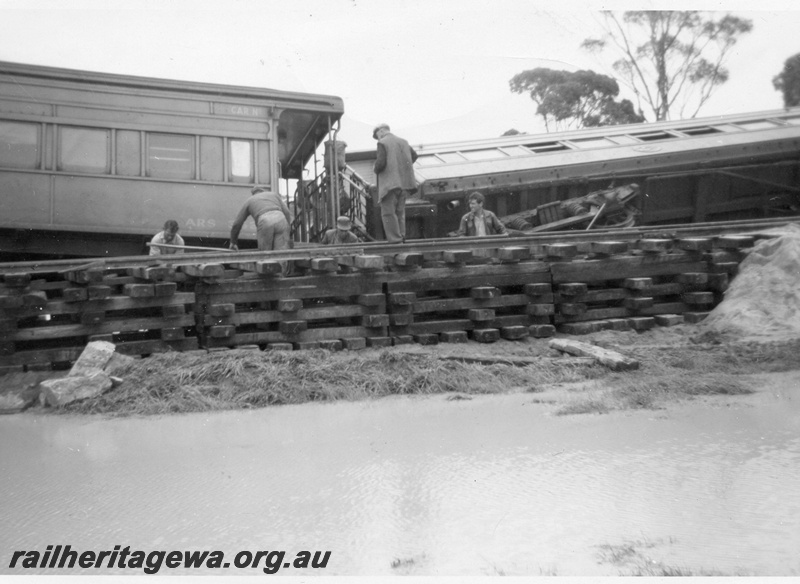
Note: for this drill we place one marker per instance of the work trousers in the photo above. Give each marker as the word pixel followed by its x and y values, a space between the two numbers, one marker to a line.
pixel 393 215
pixel 272 231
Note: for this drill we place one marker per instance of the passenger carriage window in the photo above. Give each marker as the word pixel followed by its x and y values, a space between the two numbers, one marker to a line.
pixel 19 145
pixel 84 150
pixel 170 156
pixel 241 161
pixel 593 143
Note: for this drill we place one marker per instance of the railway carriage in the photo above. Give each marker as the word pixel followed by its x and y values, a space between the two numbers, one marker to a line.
pixel 94 163
pixel 718 168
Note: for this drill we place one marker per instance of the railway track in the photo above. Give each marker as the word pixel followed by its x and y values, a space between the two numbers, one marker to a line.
pixel 373 294
pixel 306 252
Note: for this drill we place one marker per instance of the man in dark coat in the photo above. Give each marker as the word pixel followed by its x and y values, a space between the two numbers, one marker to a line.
pixel 395 174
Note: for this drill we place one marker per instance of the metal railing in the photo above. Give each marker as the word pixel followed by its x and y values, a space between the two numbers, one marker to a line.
pixel 318 202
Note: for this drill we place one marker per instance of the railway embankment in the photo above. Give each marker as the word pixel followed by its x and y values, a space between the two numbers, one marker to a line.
pixel 216 321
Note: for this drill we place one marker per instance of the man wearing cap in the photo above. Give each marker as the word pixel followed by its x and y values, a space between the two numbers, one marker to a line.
pixel 395 173
pixel 271 215
pixel 341 234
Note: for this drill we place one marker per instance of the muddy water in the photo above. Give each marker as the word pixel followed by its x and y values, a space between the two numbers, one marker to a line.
pixel 427 486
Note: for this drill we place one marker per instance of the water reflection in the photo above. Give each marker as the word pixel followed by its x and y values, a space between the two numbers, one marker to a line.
pixel 486 486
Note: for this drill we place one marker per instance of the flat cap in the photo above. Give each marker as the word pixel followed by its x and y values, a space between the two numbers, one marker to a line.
pixel 379 127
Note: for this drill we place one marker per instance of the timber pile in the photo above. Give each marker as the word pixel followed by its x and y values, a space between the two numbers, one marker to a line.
pixel 343 299
pixel 335 303
pixel 660 281
pixel 49 317
pixel 482 295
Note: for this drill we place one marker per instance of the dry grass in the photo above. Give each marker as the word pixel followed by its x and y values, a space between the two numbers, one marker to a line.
pixel 176 382
pixel 173 382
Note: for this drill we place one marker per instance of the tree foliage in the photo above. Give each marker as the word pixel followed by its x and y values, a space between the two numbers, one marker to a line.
pixel 574 99
pixel 788 81
pixel 670 59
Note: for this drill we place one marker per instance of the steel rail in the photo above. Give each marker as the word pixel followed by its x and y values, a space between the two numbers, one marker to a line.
pixel 309 251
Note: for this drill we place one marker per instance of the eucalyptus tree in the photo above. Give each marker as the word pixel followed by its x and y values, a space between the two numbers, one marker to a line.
pixel 574 99
pixel 788 81
pixel 671 60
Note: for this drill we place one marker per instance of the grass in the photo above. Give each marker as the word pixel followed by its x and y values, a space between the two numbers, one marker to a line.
pixel 630 555
pixel 176 383
pixel 172 382
pixel 676 373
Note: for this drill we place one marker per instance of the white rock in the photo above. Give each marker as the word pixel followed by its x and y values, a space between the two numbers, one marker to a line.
pixel 93 358
pixel 57 392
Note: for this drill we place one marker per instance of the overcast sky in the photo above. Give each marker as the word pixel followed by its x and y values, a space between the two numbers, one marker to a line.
pixel 435 70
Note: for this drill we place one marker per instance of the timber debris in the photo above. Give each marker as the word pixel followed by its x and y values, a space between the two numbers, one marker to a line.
pixel 611 359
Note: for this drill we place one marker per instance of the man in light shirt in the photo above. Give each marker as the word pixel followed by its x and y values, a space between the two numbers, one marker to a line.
pixel 169 236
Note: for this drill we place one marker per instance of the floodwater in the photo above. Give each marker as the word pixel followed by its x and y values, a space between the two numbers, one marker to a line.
pixel 420 485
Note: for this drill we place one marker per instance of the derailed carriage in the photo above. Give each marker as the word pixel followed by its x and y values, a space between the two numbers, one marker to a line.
pixel 94 163
pixel 711 169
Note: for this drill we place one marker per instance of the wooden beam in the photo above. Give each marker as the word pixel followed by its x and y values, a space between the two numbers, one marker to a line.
pixel 610 359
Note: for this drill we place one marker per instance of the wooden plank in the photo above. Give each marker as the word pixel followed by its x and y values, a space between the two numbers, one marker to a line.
pixel 436 279
pixel 210 270
pixel 324 264
pixel 110 326
pixel 172 334
pixel 407 260
pixel 17 280
pixel 667 308
pixel 593 314
pixel 139 290
pixel 36 299
pixel 480 314
pixel 486 335
pixel 97 292
pixel 222 309
pixel 698 297
pixel 155 346
pixel 538 289
pixel 561 250
pixel 638 303
pixel 92 318
pixel 75 294
pixel 734 241
pixel 654 245
pixel 423 305
pixel 322 286
pixel 8 302
pixel 572 288
pixel 611 359
pixel 484 292
pixel 369 262
pixel 699 244
pixel 55 307
pixel 58 355
pixel 290 305
pixel 540 309
pixel 619 268
pixel 310 335
pixel 371 299
pixel 165 288
pixel 609 247
pixel 152 273
pixel 513 254
pixel 307 314
pixel 457 256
